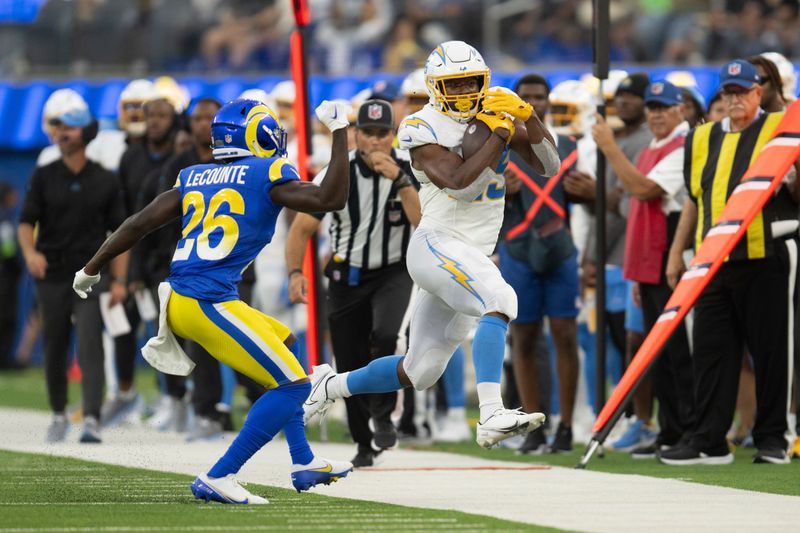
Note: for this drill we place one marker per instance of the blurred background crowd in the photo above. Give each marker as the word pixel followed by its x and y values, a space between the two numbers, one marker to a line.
pixel 359 36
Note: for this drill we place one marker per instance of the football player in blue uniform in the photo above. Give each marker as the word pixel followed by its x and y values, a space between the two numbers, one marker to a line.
pixel 228 213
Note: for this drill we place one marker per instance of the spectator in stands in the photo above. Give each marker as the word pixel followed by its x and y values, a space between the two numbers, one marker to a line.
pixel 10 270
pixel 655 183
pixel 747 300
pixel 247 28
pixel 539 260
pixel 403 51
pixel 74 202
pixel 352 34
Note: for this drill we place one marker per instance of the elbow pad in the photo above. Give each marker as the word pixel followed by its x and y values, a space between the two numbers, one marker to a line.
pixel 474 189
pixel 548 155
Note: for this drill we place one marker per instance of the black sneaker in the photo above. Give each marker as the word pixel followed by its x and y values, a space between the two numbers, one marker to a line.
pixel 684 454
pixel 776 456
pixel 648 451
pixel 563 439
pixel 384 436
pixel 535 443
pixel 365 457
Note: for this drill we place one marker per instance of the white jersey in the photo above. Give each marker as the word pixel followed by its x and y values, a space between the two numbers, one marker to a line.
pixel 476 223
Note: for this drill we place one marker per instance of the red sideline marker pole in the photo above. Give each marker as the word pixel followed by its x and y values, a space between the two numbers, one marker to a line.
pixel 299 65
pixel 757 186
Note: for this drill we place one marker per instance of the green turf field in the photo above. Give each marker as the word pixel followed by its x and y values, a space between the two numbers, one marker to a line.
pixel 44 493
pixel 27 389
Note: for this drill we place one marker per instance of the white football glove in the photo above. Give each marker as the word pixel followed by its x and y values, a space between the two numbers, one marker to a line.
pixel 333 114
pixel 82 284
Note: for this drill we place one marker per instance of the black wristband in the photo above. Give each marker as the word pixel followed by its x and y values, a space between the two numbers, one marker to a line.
pixel 402 181
pixel 294 271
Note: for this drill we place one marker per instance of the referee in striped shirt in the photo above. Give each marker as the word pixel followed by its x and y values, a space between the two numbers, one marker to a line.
pixel 369 285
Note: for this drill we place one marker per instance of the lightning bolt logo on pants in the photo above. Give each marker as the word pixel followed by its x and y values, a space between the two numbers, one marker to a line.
pixel 452 267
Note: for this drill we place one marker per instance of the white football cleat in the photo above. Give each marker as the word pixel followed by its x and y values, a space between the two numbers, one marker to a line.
pixel 224 490
pixel 505 423
pixel 318 401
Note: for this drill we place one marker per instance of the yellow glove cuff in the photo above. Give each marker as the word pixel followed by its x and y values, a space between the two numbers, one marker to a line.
pixel 497 121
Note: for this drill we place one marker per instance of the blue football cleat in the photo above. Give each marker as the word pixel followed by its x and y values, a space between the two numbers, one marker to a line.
pixel 319 471
pixel 224 490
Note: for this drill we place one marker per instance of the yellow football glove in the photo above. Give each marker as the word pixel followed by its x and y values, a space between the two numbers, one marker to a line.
pixel 497 121
pixel 498 101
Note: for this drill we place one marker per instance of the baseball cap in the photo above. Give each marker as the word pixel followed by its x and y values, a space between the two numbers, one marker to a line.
pixel 663 92
pixel 739 72
pixel 635 84
pixel 385 90
pixel 375 114
pixel 694 94
pixel 74 118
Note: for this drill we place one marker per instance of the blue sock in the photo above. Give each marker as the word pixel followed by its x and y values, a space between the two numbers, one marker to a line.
pixel 267 416
pixel 295 431
pixel 453 380
pixel 380 375
pixel 488 349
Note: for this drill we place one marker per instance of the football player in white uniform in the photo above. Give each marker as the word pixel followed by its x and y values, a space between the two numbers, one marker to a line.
pixel 462 211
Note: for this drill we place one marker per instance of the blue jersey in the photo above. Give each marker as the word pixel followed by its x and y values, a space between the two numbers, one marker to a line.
pixel 228 218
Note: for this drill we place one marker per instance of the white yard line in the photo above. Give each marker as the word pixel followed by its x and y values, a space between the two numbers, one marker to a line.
pixel 560 497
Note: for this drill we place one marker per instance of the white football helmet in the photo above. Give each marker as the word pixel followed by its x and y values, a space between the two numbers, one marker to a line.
pixel 284 95
pixel 572 108
pixel 610 85
pixel 131 106
pixel 453 60
pixel 170 90
pixel 788 75
pixel 415 91
pixel 62 101
pixel 259 95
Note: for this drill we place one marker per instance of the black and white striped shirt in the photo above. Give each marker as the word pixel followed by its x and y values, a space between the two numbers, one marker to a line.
pixel 372 230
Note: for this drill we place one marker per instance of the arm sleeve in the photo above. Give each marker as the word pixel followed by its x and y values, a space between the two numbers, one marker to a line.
pixel 32 206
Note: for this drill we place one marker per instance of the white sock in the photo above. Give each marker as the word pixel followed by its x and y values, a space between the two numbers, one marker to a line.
pixel 337 386
pixel 489 398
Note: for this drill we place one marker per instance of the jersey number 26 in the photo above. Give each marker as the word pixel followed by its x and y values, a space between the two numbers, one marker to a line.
pixel 211 221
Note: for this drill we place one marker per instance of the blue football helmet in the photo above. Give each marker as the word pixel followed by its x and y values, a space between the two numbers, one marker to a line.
pixel 244 128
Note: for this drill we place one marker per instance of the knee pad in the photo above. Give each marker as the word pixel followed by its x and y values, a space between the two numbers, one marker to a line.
pixel 425 369
pixel 504 301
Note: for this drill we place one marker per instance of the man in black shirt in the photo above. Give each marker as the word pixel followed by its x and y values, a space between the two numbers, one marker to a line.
pixel 137 162
pixel 75 203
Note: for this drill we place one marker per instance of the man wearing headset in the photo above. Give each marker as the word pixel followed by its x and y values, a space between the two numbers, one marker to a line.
pixel 75 202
